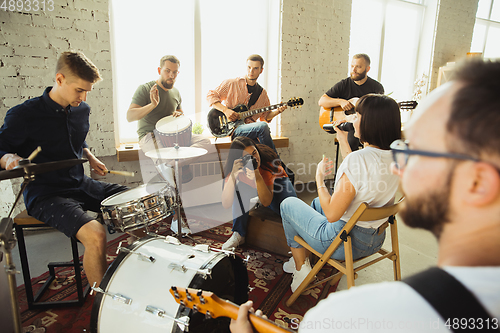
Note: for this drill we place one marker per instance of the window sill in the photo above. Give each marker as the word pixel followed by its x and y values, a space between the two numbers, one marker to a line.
pixel 132 154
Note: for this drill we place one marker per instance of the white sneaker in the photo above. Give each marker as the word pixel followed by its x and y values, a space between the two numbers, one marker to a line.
pixel 233 242
pixel 254 201
pixel 289 266
pixel 299 276
pixel 184 228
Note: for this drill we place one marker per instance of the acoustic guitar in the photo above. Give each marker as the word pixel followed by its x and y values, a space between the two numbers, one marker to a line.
pixel 221 127
pixel 212 306
pixel 329 115
pixel 326 116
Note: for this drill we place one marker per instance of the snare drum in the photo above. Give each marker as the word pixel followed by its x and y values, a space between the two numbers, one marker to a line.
pixel 137 284
pixel 134 208
pixel 172 130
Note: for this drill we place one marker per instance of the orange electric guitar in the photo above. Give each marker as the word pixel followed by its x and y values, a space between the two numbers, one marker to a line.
pixel 326 117
pixel 212 306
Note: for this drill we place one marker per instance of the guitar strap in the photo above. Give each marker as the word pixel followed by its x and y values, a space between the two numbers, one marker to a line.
pixel 255 95
pixel 450 299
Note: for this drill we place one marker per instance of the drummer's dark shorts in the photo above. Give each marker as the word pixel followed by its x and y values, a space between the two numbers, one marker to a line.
pixel 69 213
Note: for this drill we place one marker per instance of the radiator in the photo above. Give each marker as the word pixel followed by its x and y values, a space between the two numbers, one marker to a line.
pixel 206 186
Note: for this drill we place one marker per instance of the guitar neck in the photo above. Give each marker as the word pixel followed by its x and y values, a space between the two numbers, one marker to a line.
pixel 208 303
pixel 260 324
pixel 249 113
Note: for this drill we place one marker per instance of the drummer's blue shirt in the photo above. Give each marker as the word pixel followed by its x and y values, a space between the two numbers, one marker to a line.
pixel 61 133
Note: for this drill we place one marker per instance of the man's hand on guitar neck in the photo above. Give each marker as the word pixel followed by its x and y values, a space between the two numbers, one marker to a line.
pixel 242 324
pixel 276 112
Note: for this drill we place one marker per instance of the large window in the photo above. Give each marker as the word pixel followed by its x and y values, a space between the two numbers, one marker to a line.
pixel 486 36
pixel 389 32
pixel 212 40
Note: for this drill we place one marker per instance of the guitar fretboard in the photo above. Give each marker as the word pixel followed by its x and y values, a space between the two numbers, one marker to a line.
pixel 249 113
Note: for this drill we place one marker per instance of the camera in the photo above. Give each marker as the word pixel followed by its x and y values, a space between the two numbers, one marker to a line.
pixel 346 127
pixel 249 161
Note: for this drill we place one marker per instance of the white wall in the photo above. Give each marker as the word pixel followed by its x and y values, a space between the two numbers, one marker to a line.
pixel 315 41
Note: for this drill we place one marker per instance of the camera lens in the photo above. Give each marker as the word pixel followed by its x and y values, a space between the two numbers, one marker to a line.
pixel 346 127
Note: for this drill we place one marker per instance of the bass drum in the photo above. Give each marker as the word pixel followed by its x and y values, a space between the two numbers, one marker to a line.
pixel 137 287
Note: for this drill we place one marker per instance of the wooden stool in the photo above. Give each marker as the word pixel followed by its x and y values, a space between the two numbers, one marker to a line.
pixel 265 230
pixel 22 221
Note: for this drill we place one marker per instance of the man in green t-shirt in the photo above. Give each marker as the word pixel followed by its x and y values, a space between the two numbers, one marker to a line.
pixel 158 99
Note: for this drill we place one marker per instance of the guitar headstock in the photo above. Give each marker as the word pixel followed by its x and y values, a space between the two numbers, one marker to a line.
pixel 205 302
pixel 407 105
pixel 295 102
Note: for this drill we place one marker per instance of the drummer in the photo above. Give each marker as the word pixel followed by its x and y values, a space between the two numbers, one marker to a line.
pixel 155 100
pixel 58 122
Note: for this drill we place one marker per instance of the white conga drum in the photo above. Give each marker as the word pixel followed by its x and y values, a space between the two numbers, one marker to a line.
pixel 171 130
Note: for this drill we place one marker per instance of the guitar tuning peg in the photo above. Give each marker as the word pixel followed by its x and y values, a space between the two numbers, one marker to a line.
pixel 208 315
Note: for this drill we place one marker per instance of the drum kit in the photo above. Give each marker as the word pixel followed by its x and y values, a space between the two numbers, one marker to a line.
pixel 148 204
pixel 127 300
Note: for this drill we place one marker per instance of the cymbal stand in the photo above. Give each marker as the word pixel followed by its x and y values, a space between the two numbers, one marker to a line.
pixel 178 200
pixel 8 242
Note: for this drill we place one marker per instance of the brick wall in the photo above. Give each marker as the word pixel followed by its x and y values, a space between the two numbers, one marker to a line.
pixel 31 42
pixel 453 33
pixel 315 55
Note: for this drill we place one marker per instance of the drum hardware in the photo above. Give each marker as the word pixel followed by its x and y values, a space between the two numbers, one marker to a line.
pixel 7 243
pixel 246 260
pixel 182 322
pixel 182 268
pixel 176 153
pixel 142 256
pixel 202 248
pixel 115 297
pixel 172 240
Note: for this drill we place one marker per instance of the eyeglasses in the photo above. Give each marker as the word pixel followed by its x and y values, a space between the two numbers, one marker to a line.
pixel 401 153
pixel 175 73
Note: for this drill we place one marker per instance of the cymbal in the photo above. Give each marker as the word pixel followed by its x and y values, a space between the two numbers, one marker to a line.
pixel 35 169
pixel 174 153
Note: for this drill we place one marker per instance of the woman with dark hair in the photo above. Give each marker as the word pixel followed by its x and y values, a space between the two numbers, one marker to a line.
pixel 252 170
pixel 363 176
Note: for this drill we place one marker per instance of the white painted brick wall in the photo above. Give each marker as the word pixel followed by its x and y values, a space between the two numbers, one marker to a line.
pixel 30 44
pixel 453 35
pixel 315 41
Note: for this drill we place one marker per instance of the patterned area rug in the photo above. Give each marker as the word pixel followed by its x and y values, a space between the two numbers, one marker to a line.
pixel 269 285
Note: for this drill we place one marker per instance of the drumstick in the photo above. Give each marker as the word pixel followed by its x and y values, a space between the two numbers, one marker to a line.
pixel 34 153
pixel 122 173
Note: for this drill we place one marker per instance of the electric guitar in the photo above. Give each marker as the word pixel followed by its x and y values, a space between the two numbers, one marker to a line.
pixel 212 306
pixel 326 116
pixel 221 127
